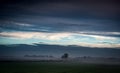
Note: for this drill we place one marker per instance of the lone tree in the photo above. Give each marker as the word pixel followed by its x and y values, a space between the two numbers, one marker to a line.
pixel 65 56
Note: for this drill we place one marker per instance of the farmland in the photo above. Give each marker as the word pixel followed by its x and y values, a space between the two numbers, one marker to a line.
pixel 56 67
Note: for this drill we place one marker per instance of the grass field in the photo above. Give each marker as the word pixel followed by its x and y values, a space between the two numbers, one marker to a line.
pixel 55 67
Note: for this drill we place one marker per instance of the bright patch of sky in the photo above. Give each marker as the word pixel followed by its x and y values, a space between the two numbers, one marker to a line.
pixel 64 38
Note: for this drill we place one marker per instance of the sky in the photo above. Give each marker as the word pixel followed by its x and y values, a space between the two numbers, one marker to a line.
pixel 91 24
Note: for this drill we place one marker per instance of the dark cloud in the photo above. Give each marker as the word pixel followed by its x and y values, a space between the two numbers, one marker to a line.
pixel 56 50
pixel 60 15
pixel 100 9
pixel 56 24
pixel 94 9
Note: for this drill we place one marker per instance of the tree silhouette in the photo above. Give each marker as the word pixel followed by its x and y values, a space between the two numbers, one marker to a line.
pixel 65 56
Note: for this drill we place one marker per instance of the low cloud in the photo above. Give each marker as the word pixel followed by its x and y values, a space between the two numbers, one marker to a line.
pixel 22 24
pixel 67 38
pixel 38 35
pixel 52 36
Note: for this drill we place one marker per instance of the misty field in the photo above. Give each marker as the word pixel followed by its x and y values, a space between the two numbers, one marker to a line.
pixel 56 67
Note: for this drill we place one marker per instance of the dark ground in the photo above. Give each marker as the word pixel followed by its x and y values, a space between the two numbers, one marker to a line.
pixel 56 67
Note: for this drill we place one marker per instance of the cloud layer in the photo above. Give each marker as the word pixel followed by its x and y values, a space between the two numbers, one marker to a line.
pixel 74 22
pixel 66 38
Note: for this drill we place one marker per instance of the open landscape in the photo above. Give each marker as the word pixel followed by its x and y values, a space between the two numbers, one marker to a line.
pixel 59 36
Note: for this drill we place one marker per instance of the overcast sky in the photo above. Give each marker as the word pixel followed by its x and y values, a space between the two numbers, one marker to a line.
pixel 83 23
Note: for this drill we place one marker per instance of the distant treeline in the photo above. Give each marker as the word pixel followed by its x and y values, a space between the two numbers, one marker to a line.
pixel 38 56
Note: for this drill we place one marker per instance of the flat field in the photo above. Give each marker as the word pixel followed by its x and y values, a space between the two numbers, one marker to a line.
pixel 56 67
